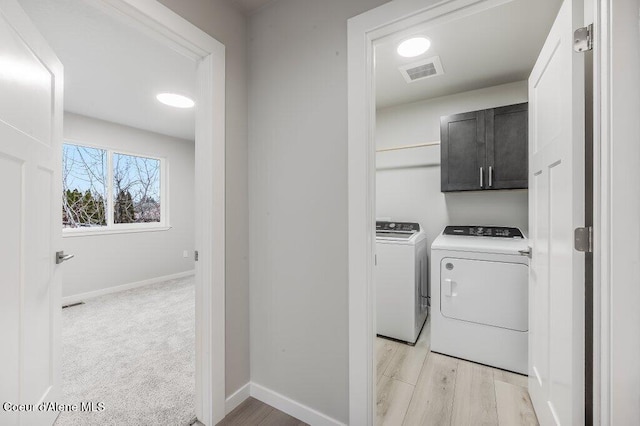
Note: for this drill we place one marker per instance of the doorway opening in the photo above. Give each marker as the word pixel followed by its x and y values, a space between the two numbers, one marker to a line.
pixel 144 199
pixel 411 170
pixel 431 173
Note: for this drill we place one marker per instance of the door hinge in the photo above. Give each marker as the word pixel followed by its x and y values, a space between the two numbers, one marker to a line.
pixel 583 239
pixel 583 39
pixel 195 255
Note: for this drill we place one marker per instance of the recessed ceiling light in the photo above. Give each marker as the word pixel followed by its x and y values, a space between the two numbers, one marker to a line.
pixel 413 47
pixel 175 100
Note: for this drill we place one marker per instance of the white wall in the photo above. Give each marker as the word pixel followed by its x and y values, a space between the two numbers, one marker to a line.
pixel 224 22
pixel 103 261
pixel 298 200
pixel 408 181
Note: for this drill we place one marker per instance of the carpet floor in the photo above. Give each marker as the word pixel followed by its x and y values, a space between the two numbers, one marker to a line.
pixel 133 351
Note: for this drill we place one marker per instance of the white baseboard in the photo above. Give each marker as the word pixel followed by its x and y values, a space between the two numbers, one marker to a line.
pixel 68 300
pixel 291 407
pixel 237 398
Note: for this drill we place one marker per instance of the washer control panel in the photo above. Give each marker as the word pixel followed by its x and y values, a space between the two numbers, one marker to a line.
pixel 402 227
pixel 484 231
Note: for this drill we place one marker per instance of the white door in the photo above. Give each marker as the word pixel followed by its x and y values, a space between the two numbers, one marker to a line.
pixel 30 184
pixel 556 208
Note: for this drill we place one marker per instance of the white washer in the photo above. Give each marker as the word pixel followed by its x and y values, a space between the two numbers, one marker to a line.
pixel 401 280
pixel 480 295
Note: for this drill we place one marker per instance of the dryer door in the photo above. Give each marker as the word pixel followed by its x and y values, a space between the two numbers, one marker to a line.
pixel 485 292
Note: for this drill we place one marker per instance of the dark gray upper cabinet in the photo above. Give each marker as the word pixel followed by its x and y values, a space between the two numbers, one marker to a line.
pixel 507 148
pixel 462 147
pixel 484 149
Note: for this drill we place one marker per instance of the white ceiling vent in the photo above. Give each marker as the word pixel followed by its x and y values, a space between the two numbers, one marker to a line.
pixel 422 69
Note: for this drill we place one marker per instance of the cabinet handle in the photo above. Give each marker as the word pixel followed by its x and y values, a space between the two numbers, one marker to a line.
pixel 481 178
pixel 490 176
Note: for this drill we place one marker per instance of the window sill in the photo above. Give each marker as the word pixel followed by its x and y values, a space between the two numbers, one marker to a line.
pixel 72 233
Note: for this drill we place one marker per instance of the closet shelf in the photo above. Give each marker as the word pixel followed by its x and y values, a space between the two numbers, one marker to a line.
pixel 417 145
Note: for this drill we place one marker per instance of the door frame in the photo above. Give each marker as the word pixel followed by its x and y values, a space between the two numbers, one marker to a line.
pixel 616 340
pixel 164 25
pixel 363 31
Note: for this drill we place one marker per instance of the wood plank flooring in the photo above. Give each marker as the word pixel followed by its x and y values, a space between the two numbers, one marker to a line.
pixel 417 387
pixel 256 413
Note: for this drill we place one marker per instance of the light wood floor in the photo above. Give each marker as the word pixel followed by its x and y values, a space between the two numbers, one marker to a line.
pixel 418 387
pixel 256 413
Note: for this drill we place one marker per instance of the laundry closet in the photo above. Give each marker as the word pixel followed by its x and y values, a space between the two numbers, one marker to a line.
pixel 452 184
pixel 475 161
pixel 469 168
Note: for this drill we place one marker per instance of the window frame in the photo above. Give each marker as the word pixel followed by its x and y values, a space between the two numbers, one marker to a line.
pixel 124 228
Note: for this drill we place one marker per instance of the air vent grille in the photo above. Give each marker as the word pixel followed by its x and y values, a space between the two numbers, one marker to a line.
pixel 423 69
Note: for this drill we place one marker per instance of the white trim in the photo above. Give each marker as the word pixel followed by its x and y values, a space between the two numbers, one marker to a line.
pixel 161 23
pixel 292 407
pixel 616 210
pixel 399 17
pixel 67 300
pixel 104 230
pixel 210 237
pixel 600 220
pixel 281 402
pixel 237 398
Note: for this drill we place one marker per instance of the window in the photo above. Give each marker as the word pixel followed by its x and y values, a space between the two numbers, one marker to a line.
pixel 109 190
pixel 84 177
pixel 136 189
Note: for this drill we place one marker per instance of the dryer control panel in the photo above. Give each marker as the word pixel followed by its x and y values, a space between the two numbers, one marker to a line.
pixel 484 231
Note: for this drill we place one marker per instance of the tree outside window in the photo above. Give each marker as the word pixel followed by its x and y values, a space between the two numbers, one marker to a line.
pixel 84 178
pixel 93 177
pixel 136 184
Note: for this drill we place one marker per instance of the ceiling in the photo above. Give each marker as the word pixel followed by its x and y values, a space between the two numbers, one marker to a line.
pixel 484 49
pixel 112 71
pixel 249 6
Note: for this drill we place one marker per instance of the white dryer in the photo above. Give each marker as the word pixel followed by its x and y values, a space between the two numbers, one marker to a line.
pixel 480 295
pixel 401 278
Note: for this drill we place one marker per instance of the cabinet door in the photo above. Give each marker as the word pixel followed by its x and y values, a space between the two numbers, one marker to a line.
pixel 507 142
pixel 462 152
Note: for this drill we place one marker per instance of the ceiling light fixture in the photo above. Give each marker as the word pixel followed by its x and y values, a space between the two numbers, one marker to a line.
pixel 175 100
pixel 413 47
